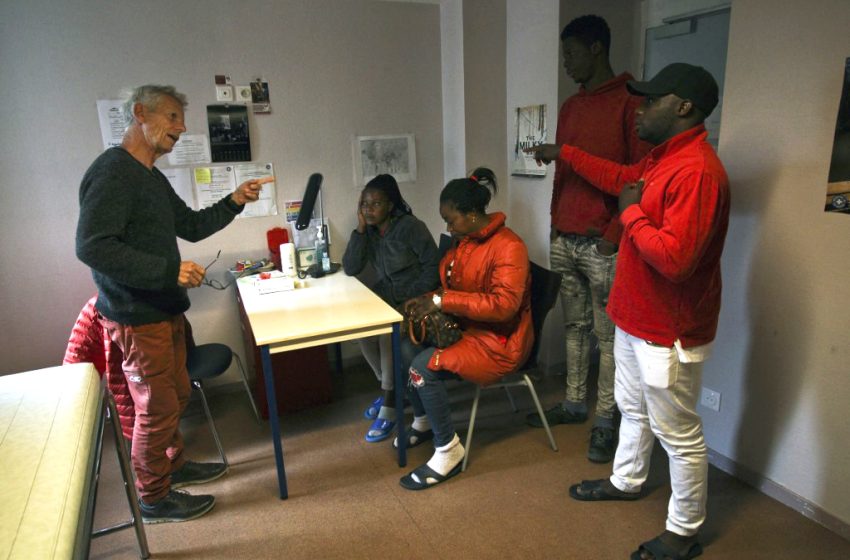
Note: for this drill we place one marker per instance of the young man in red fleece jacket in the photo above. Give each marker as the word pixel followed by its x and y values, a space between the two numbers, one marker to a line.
pixel 665 302
pixel 585 233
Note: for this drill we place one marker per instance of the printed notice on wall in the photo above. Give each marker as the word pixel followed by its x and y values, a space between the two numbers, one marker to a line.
pixel 531 130
pixel 111 118
pixel 181 181
pixel 267 204
pixel 215 182
pixel 191 149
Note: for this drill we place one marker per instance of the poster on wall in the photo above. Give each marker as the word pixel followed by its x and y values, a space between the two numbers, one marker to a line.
pixel 390 153
pixel 228 127
pixel 530 131
pixel 838 184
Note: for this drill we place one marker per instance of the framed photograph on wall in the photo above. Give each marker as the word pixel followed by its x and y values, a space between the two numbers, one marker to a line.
pixel 390 153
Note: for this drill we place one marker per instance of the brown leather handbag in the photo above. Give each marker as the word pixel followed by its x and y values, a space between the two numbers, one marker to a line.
pixel 435 329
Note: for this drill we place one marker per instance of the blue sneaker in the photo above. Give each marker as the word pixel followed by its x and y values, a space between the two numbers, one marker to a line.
pixel 380 430
pixel 372 412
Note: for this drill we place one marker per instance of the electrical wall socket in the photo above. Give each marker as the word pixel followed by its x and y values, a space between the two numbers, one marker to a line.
pixel 224 93
pixel 710 399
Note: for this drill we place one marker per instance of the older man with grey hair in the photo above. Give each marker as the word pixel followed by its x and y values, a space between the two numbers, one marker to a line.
pixel 130 218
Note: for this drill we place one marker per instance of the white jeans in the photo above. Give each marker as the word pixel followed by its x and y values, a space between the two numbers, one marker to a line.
pixel 657 395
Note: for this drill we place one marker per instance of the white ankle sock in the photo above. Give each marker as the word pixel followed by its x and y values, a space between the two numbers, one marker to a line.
pixel 447 457
pixel 421 424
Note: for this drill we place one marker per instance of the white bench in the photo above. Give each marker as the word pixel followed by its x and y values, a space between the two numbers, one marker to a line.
pixel 51 427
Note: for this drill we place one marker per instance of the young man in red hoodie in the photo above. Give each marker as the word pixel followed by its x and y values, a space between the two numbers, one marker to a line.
pixel 585 233
pixel 674 208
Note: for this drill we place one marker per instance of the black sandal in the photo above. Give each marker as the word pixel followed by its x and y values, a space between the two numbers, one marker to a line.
pixel 600 491
pixel 415 437
pixel 427 476
pixel 661 550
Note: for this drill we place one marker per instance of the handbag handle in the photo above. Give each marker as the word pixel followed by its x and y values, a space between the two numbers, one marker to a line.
pixel 411 331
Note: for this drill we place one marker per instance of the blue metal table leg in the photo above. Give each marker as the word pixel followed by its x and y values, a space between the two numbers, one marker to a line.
pixel 400 388
pixel 274 421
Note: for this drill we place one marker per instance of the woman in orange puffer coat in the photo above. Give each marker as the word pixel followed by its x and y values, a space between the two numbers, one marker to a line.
pixel 486 285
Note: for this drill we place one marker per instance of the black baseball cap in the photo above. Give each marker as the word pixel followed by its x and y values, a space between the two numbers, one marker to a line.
pixel 687 81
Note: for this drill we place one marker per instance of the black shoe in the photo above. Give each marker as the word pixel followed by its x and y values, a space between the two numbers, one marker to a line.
pixel 601 445
pixel 176 506
pixel 196 473
pixel 556 415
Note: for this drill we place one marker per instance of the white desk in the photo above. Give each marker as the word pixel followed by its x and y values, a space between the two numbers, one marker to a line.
pixel 331 309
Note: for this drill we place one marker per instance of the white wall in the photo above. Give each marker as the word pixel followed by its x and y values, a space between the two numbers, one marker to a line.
pixel 336 69
pixel 781 358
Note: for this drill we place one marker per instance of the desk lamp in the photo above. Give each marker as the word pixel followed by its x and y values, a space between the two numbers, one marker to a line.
pixel 323 261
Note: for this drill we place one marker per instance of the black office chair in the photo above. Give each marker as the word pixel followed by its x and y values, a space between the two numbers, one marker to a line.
pixel 544 294
pixel 206 361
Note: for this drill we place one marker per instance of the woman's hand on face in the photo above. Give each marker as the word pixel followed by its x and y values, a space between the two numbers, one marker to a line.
pixel 361 220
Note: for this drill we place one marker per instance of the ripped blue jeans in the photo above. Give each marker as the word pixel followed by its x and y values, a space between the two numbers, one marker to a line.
pixel 428 394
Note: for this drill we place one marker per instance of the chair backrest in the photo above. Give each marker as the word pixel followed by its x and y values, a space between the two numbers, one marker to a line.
pixel 544 293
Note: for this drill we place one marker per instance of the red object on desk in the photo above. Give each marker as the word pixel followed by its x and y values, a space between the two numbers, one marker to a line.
pixel 276 237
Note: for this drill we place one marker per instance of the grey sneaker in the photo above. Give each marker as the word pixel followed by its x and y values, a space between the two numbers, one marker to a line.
pixel 176 506
pixel 196 473
pixel 555 415
pixel 601 445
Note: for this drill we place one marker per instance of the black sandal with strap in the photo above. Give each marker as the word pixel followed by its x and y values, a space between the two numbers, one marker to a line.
pixel 661 550
pixel 600 491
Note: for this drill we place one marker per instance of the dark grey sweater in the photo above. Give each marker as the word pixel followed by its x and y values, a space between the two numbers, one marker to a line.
pixel 130 219
pixel 405 258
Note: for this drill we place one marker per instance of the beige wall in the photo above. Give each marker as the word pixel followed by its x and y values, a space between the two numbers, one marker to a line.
pixel 484 35
pixel 336 69
pixel 782 353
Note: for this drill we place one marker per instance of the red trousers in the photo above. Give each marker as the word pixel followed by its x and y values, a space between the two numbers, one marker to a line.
pixel 155 369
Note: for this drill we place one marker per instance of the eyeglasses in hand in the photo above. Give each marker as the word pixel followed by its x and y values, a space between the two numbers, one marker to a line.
pixel 215 284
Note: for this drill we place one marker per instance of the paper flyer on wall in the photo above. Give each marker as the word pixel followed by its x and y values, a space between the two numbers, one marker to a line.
pixel 181 181
pixel 190 149
pixel 531 130
pixel 111 118
pixel 217 181
pixel 213 183
pixel 267 204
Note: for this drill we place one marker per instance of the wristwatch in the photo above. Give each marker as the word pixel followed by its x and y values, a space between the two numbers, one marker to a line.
pixel 437 300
